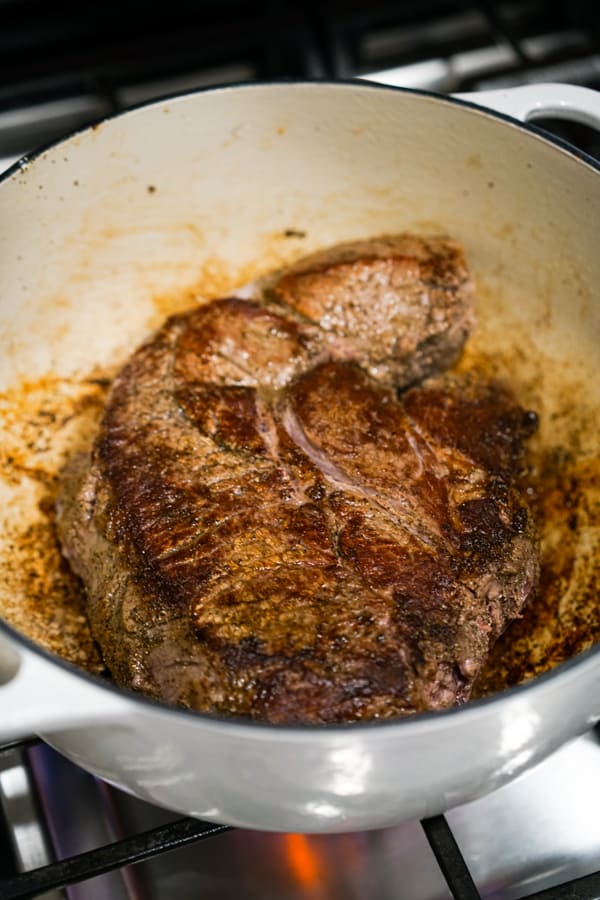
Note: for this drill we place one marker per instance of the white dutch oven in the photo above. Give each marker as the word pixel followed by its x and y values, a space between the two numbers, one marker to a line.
pixel 94 229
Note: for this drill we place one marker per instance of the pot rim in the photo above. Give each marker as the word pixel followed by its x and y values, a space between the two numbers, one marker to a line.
pixel 417 721
pixel 343 84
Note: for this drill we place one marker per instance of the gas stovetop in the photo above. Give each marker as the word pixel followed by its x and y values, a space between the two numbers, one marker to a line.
pixel 524 840
pixel 64 65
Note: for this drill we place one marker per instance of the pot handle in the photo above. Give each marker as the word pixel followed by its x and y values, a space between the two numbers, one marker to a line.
pixel 534 101
pixel 40 696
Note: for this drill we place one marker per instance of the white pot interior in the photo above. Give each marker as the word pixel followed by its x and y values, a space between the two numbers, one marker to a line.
pixel 104 235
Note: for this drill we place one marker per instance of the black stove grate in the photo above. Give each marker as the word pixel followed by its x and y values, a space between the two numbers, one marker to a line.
pixel 449 858
pixel 147 844
pixel 127 851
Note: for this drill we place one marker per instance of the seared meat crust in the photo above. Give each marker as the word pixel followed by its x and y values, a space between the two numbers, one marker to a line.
pixel 266 529
pixel 401 305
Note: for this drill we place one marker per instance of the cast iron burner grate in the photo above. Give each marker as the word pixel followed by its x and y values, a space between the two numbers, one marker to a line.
pixel 181 832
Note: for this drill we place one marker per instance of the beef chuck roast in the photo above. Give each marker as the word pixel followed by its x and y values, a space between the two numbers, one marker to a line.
pixel 266 528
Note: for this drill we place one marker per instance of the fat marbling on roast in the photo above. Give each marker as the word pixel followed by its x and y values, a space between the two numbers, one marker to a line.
pixel 289 514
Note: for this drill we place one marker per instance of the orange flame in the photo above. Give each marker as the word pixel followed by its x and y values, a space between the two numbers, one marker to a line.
pixel 304 861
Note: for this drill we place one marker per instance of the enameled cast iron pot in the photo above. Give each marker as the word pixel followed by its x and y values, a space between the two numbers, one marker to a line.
pixel 237 180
